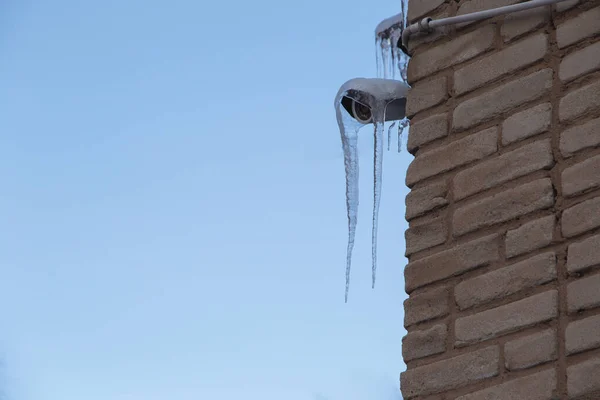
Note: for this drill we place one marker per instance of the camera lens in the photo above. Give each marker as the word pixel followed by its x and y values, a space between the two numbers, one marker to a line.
pixel 361 112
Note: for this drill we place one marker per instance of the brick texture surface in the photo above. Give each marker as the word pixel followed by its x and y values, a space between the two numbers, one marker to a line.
pixel 503 243
pixel 578 28
pixel 531 350
pixel 518 23
pixel 526 123
pixel 508 318
pixel 580 63
pixel 512 58
pixel 584 294
pixel 504 206
pixel 428 198
pixel 580 101
pixel 530 236
pixel 582 379
pixel 419 344
pixel 497 101
pixel 504 168
pixel 430 304
pixel 538 386
pixel 580 137
pixel 454 52
pixel 458 153
pixel 426 131
pixel 583 335
pixel 453 262
pixel 500 283
pixel 581 177
pixel 581 217
pixel 451 373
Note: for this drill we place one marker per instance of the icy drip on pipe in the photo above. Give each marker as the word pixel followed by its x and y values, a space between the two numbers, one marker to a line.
pixel 379 95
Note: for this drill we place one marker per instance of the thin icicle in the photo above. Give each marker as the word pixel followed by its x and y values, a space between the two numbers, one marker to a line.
pixel 385 57
pixel 390 135
pixel 349 144
pixel 378 56
pixel 401 126
pixel 377 172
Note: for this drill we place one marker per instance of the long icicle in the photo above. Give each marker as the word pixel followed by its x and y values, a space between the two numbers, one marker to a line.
pixel 350 143
pixel 390 135
pixel 377 172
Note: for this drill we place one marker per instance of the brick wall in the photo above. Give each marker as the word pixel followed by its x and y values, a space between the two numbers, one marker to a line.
pixel 504 209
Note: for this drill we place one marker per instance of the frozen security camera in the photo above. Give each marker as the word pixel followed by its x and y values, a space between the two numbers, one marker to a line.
pixel 362 97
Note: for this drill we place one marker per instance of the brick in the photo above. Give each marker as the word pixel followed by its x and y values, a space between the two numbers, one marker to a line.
pixel 420 38
pixel 583 379
pixel 418 8
pixel 524 124
pixel 430 304
pixel 503 282
pixel 425 235
pixel 581 217
pixel 471 6
pixel 525 160
pixel 458 153
pixel 508 318
pixel 584 254
pixel 420 201
pixel 531 350
pixel 419 344
pixel 451 373
pixel 506 61
pixel 565 5
pixel 458 50
pixel 580 137
pixel 426 131
pixel 579 102
pixel 425 95
pixel 519 23
pixel 584 294
pixel 497 101
pixel 579 63
pixel 452 262
pixel 504 206
pixel 538 386
pixel 530 236
pixel 581 177
pixel 583 335
pixel 575 29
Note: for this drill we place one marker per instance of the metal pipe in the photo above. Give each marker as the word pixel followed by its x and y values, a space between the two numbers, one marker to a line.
pixel 427 24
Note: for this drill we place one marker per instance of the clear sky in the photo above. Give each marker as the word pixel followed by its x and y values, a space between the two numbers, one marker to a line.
pixel 172 204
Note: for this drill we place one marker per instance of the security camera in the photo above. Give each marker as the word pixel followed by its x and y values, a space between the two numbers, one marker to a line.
pixel 361 97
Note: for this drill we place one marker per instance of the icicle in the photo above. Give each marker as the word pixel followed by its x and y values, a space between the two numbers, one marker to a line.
pixel 378 56
pixel 386 57
pixel 378 122
pixel 403 124
pixel 390 134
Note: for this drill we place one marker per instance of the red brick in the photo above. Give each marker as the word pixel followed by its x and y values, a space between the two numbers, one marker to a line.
pixel 503 282
pixel 583 334
pixel 581 177
pixel 419 344
pixel 453 155
pixel 583 379
pixel 504 206
pixel 539 386
pixel 506 61
pixel 458 50
pixel 422 236
pixel 507 318
pixel 530 236
pixel 452 262
pixel 420 201
pixel 502 99
pixel 580 137
pixel 495 171
pixel 451 373
pixel 581 217
pixel 584 294
pixel 575 29
pixel 532 350
pixel 584 254
pixel 427 305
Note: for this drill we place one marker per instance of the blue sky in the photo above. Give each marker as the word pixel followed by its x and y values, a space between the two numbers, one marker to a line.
pixel 172 205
